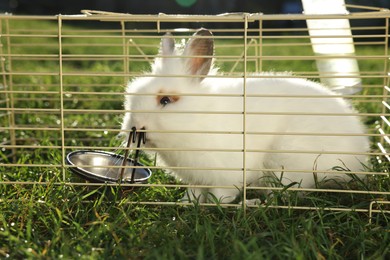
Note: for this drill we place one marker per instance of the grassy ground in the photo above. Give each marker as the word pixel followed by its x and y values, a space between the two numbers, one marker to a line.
pixel 62 221
pixel 52 219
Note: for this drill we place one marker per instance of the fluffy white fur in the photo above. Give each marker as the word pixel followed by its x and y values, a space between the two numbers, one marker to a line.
pixel 266 152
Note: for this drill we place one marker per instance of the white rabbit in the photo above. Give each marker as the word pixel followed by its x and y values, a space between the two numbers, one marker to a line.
pixel 195 119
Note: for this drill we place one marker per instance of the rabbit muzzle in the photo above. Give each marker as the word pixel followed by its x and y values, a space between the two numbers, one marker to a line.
pixel 138 135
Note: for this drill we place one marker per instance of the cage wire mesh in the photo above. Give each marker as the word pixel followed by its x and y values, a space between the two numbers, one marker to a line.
pixel 64 77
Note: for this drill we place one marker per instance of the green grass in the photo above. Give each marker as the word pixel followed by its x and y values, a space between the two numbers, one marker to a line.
pixel 51 219
pixel 76 222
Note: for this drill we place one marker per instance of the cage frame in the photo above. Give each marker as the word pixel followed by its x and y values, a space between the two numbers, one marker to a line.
pixel 241 18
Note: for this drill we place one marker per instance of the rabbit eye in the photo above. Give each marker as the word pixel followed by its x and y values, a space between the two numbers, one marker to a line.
pixel 165 100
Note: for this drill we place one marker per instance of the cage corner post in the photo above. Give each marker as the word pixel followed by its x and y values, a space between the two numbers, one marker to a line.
pixel 259 49
pixel 386 81
pixel 244 114
pixel 61 93
pixel 7 82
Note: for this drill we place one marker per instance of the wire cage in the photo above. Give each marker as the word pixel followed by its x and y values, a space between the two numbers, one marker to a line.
pixel 64 78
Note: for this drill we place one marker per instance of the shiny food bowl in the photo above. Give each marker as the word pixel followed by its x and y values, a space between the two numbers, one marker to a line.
pixel 96 166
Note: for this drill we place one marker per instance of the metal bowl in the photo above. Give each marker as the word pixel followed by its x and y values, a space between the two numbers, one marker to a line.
pixel 95 166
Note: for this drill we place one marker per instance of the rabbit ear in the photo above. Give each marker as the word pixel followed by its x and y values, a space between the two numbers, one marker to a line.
pixel 200 46
pixel 167 45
